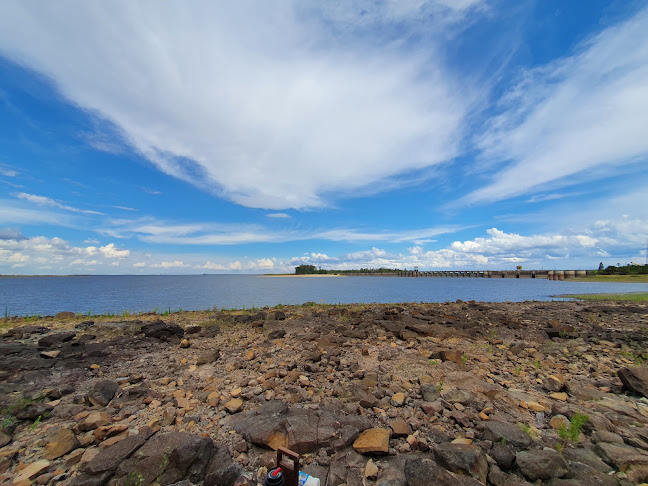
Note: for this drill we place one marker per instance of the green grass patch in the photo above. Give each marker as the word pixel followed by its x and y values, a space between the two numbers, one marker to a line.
pixel 630 296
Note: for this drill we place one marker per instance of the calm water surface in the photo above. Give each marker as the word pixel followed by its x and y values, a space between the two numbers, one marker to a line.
pixel 106 294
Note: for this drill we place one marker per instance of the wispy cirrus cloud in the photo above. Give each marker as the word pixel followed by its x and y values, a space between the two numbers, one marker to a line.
pixel 578 118
pixel 46 201
pixel 283 116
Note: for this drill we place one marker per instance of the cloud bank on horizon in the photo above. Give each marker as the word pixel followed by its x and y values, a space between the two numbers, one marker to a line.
pixel 255 136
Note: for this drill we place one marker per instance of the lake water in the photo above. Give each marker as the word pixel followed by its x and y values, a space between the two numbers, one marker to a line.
pixel 115 294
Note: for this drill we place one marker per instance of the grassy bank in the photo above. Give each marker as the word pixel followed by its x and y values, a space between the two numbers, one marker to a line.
pixel 631 297
pixel 612 278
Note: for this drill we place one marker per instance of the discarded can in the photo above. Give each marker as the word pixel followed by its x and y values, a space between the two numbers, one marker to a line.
pixel 274 478
pixel 308 480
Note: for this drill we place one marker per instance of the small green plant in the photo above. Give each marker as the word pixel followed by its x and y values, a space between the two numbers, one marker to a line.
pixel 537 364
pixel 573 432
pixel 134 479
pixel 439 387
pixel 433 362
pixel 518 369
pixel 7 422
pixel 464 359
pixel 525 428
pixel 36 422
pixel 560 447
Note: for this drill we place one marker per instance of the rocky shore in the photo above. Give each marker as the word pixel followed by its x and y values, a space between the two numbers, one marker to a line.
pixel 463 393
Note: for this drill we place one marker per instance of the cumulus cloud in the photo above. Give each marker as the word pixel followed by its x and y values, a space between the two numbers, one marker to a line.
pixel 175 264
pixel 11 234
pixel 574 119
pixel 274 113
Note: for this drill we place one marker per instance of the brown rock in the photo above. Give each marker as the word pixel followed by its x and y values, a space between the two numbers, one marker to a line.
pixel 31 471
pixel 234 405
pixel 94 420
pixel 398 399
pixel 371 470
pixel 399 427
pixel 373 441
pixel 62 442
pixel 185 343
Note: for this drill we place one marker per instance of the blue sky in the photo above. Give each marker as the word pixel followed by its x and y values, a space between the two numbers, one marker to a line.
pixel 202 137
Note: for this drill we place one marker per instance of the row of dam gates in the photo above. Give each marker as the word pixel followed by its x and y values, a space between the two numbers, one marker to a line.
pixel 546 274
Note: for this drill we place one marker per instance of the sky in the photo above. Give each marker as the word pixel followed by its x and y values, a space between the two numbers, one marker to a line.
pixel 146 137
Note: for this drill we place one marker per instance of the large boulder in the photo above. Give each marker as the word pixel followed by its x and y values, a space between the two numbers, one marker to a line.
pixel 160 330
pixel 542 464
pixel 505 432
pixel 55 339
pixel 423 472
pixel 635 379
pixel 462 458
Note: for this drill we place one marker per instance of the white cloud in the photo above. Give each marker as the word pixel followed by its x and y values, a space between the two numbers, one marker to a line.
pixel 278 215
pixel 175 264
pixel 576 119
pixel 111 251
pixel 235 265
pixel 274 113
pixel 46 201
pixel 7 171
pixel 139 265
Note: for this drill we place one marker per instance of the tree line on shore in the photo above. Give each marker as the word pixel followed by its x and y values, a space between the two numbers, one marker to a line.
pixel 313 270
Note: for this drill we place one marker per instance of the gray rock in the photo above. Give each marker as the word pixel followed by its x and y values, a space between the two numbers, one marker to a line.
pixel 505 432
pixel 462 458
pixel 55 339
pixel 621 456
pixel 503 454
pixel 102 392
pixel 160 330
pixel 423 472
pixel 497 477
pixel 541 464
pixel 635 379
pixel 430 393
pixel 108 459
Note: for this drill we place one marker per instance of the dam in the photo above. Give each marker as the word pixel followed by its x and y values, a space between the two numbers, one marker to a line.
pixel 545 274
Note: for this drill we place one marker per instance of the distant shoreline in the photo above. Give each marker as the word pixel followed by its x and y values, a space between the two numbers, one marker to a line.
pixel 306 275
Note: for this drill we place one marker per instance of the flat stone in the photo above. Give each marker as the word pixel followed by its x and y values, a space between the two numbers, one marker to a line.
pixel 49 354
pixel 31 471
pixel 94 420
pixel 424 472
pixel 373 441
pixel 371 470
pixel 62 442
pixel 621 456
pixel 108 459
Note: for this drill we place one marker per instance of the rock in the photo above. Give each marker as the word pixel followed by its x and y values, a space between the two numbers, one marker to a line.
pixel 621 456
pixel 430 393
pixel 454 355
pixel 31 471
pixel 464 459
pixel 185 343
pixel 503 454
pixel 209 357
pixel 279 316
pixel 399 427
pixel 423 472
pixel 55 339
pixel 168 458
pixel 93 420
pixel 65 315
pixel 108 459
pixel 103 392
pixel 60 443
pixel 277 334
pixel 234 405
pixel 635 379
pixel 4 439
pixel 504 431
pixel 398 399
pixel 373 441
pixel 221 471
pixel 541 464
pixel 160 330
pixel 371 470
pixel 34 410
pixel 193 329
pixel 49 354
